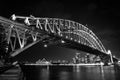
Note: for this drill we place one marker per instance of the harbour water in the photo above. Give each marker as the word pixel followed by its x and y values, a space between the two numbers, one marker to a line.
pixel 55 72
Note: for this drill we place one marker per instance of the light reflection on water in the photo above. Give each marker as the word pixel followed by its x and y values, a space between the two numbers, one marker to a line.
pixel 71 73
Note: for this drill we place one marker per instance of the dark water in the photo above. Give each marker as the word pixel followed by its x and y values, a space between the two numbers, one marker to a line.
pixel 71 73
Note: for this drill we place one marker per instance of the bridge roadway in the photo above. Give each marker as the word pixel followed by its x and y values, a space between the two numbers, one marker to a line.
pixel 74 45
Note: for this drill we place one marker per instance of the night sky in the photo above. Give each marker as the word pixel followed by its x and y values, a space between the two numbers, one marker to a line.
pixel 101 16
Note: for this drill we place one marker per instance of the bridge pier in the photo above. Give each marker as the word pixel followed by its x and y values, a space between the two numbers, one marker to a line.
pixel 105 59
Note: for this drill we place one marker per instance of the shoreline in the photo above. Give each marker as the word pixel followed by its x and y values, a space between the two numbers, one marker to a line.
pixel 81 64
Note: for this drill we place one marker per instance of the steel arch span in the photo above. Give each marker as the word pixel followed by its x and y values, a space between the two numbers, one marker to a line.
pixel 23 32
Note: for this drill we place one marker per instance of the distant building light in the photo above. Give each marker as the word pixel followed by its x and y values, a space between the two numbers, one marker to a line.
pixel 61 35
pixel 62 41
pixel 75 40
pixel 66 36
pixel 71 38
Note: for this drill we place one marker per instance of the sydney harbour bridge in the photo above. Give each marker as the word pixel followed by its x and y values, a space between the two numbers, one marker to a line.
pixel 21 32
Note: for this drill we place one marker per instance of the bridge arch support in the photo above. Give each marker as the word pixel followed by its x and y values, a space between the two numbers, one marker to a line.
pixel 27 31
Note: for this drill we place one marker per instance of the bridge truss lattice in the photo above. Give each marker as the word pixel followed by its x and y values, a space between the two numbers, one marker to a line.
pixel 23 32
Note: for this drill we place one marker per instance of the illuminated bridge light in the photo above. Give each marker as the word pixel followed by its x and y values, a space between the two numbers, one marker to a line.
pixel 27 21
pixel 81 42
pixel 66 36
pixel 45 45
pixel 113 55
pixel 13 17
